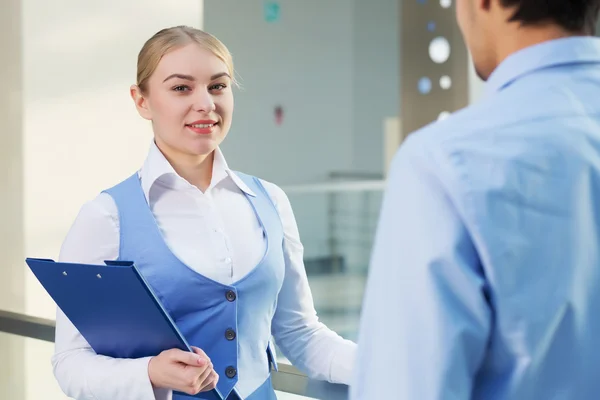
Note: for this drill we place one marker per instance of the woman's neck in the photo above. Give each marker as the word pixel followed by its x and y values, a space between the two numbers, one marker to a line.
pixel 196 169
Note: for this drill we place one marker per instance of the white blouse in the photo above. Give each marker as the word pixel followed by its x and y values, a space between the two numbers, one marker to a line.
pixel 217 234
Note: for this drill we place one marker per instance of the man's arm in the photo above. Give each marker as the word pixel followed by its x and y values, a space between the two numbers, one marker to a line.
pixel 425 319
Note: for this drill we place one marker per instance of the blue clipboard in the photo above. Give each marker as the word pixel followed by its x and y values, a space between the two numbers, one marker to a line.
pixel 113 307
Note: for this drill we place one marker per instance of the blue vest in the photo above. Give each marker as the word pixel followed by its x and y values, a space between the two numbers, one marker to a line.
pixel 231 323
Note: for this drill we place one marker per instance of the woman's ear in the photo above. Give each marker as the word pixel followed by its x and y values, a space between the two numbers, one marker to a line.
pixel 140 102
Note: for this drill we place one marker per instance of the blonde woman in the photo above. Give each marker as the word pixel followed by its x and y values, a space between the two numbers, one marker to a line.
pixel 220 248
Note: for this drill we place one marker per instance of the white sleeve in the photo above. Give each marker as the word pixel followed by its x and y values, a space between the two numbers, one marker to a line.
pixel 306 342
pixel 80 372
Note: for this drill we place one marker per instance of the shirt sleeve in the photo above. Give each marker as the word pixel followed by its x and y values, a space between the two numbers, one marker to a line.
pixel 80 372
pixel 425 318
pixel 310 345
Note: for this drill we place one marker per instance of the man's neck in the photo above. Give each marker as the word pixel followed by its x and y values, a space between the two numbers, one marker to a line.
pixel 520 37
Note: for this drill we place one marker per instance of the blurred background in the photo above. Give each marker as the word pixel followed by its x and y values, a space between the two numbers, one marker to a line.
pixel 330 88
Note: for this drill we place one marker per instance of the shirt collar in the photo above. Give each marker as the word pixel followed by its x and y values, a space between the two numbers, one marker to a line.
pixel 222 170
pixel 157 167
pixel 564 51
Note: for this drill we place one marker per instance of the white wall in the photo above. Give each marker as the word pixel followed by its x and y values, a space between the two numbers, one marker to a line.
pixel 376 79
pixel 302 62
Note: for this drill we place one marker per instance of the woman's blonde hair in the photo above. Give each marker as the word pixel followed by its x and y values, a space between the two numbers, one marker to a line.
pixel 173 38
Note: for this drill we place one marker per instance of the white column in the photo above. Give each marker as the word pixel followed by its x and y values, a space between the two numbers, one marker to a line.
pixel 12 285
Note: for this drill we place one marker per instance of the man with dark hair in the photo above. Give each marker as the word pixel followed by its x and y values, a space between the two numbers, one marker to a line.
pixel 494 29
pixel 573 16
pixel 485 274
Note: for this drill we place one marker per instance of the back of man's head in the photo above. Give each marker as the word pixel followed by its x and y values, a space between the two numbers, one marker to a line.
pixel 577 16
pixel 494 29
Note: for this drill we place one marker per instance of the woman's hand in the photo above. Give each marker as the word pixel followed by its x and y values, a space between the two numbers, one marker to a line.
pixel 182 371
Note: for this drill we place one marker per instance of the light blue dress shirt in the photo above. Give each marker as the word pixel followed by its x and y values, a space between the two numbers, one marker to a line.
pixel 485 276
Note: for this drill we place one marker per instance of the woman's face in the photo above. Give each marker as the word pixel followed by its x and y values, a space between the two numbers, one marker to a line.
pixel 189 101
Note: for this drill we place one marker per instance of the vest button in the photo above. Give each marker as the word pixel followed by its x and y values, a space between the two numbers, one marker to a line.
pixel 230 372
pixel 230 334
pixel 230 295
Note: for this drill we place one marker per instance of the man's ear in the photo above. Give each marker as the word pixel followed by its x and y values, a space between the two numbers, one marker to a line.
pixel 140 102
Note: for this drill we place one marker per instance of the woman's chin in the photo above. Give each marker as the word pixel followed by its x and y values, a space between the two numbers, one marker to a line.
pixel 206 147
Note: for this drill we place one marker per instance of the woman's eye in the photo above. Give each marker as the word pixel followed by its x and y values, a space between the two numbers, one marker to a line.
pixel 218 86
pixel 181 88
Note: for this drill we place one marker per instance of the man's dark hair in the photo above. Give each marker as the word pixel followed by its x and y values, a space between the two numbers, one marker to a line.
pixel 571 15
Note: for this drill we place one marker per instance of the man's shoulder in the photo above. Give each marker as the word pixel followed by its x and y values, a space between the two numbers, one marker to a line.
pixel 491 122
pixel 466 122
pixel 465 142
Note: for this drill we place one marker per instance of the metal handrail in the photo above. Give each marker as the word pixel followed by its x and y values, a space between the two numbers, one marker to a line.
pixel 288 379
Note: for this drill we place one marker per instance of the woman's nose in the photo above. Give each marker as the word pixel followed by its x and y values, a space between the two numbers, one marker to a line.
pixel 204 102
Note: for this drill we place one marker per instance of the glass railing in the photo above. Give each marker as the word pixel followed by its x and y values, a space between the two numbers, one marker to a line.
pixel 29 375
pixel 337 223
